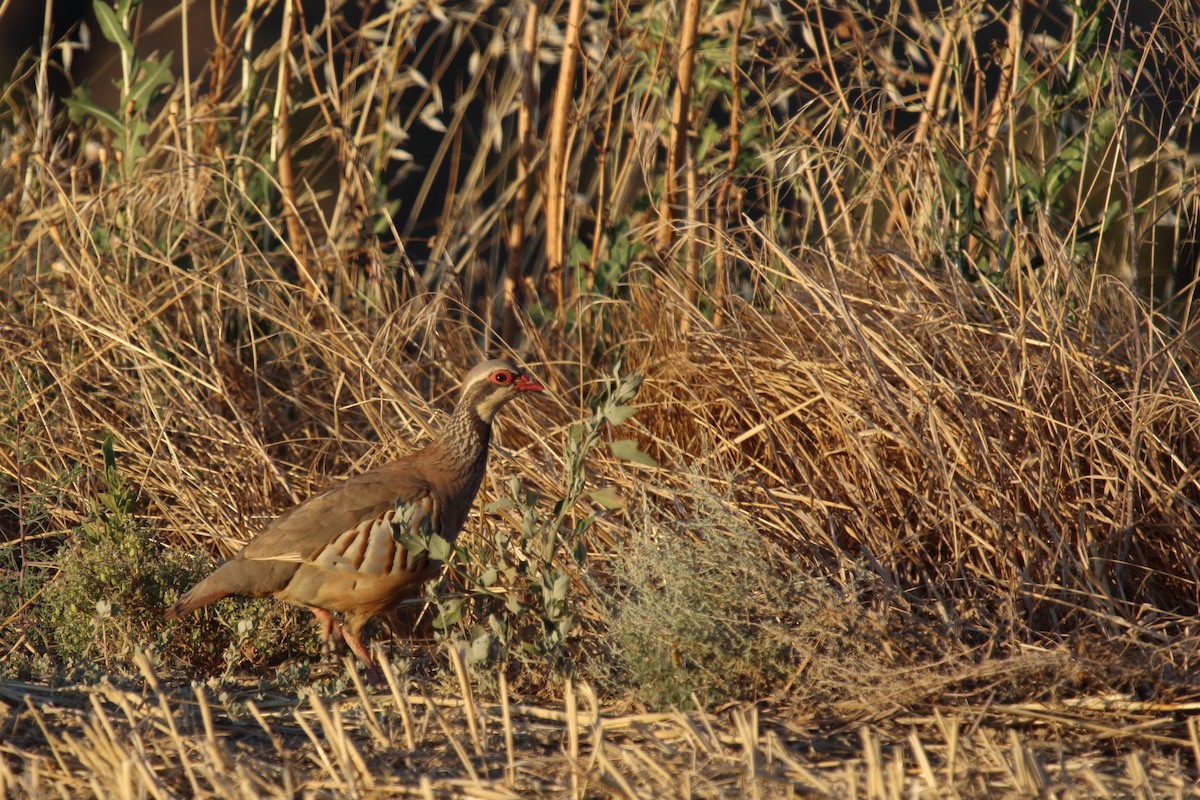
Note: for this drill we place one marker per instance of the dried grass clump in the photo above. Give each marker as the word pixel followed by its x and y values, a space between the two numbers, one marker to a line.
pixel 1025 475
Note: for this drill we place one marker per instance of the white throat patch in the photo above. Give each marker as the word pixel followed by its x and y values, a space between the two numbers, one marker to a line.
pixel 490 403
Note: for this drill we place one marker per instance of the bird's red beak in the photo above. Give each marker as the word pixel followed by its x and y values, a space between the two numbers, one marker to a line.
pixel 524 383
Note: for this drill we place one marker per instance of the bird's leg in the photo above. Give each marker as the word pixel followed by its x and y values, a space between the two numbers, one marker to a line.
pixel 350 633
pixel 330 630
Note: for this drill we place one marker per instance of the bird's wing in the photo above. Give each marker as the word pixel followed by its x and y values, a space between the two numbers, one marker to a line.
pixel 352 507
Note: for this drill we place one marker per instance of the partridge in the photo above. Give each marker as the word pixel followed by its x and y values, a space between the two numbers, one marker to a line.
pixel 344 549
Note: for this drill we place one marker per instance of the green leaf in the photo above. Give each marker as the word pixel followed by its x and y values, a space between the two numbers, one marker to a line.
pixel 405 539
pixel 499 628
pixel 578 253
pixel 529 525
pixel 628 388
pixel 110 26
pixel 561 584
pixel 130 142
pixel 80 107
pixel 618 414
pixel 450 615
pixel 100 239
pixel 480 646
pixel 109 453
pixel 498 505
pixel 709 135
pixel 439 548
pixel 628 450
pixel 153 75
pixel 608 497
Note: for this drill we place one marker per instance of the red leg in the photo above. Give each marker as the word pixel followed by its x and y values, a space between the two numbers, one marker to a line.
pixel 350 633
pixel 330 630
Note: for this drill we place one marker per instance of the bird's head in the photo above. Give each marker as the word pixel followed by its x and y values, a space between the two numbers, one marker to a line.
pixel 491 384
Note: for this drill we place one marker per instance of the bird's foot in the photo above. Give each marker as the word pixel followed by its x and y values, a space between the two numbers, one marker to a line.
pixel 331 631
pixel 375 674
pixel 370 666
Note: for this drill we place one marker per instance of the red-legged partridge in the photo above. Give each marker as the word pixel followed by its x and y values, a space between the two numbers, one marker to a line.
pixel 342 549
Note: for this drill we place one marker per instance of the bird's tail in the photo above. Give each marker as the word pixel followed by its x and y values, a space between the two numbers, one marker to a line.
pixel 197 597
pixel 235 577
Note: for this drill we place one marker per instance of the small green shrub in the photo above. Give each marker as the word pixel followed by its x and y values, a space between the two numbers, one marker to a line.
pixel 114 579
pixel 707 609
pixel 108 597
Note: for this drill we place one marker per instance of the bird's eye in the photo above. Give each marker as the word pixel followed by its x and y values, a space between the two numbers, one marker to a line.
pixel 502 377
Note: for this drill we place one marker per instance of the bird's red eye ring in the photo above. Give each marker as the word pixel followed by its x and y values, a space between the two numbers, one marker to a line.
pixel 503 377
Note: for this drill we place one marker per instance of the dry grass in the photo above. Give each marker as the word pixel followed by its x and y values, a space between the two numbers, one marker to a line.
pixel 114 741
pixel 897 533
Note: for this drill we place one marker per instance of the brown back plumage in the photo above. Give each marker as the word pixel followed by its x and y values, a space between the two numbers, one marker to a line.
pixel 337 550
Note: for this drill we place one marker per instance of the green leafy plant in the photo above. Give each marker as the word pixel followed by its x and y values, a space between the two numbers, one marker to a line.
pixel 140 86
pixel 528 581
pixel 113 579
pixel 1062 163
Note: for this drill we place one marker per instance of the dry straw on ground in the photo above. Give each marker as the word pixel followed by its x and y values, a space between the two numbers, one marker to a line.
pixel 154 741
